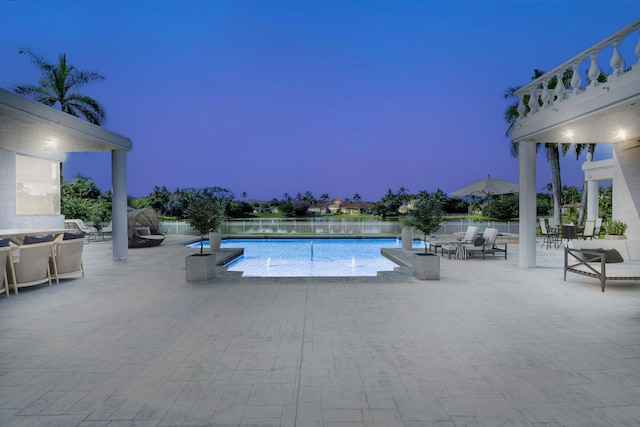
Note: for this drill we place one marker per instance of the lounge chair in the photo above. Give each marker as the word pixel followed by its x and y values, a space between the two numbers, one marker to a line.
pixel 4 280
pixel 79 225
pixel 143 227
pixel 486 244
pixel 470 234
pixel 67 257
pixel 29 265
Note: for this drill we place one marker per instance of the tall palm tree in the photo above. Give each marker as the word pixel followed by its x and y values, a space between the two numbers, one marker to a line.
pixel 552 150
pixel 56 88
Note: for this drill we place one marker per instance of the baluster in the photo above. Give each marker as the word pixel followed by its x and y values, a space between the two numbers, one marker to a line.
pixel 576 81
pixel 521 107
pixel 545 96
pixel 594 70
pixel 559 87
pixel 617 61
pixel 533 102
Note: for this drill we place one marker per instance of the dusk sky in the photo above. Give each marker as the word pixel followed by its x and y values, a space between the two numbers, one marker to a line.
pixel 339 97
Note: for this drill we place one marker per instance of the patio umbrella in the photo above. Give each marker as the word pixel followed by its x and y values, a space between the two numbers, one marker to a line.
pixel 487 187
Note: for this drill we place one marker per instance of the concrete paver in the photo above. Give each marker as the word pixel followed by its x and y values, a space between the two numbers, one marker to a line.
pixel 488 344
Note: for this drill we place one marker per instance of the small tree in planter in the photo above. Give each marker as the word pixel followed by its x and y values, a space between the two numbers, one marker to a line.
pixel 426 216
pixel 205 215
pixel 427 213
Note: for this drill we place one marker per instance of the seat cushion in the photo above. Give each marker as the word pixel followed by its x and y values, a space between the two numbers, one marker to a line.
pixel 28 240
pixel 4 242
pixel 611 256
pixel 72 236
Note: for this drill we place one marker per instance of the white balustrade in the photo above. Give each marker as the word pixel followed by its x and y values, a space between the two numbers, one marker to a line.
pixel 538 90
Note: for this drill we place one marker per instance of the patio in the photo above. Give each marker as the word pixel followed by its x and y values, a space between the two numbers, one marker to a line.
pixel 490 343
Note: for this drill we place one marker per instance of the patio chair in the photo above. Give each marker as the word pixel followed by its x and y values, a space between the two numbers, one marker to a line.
pixel 4 280
pixel 553 225
pixel 486 244
pixel 66 260
pixel 589 229
pixel 29 265
pixel 79 225
pixel 108 229
pixel 596 233
pixel 550 237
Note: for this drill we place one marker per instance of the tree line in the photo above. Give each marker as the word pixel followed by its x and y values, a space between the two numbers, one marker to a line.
pixel 82 199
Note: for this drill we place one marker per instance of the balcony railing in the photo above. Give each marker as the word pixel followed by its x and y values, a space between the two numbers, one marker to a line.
pixel 537 95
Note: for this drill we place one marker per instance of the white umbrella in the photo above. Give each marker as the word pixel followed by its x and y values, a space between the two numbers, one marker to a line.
pixel 487 187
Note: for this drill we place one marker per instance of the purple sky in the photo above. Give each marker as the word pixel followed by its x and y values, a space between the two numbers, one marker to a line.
pixel 343 97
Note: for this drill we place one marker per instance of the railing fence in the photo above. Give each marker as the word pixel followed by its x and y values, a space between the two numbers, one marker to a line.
pixel 332 226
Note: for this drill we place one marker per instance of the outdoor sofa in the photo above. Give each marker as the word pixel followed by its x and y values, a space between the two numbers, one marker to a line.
pixel 603 259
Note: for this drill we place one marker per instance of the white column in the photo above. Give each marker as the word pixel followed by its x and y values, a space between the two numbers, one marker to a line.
pixel 527 160
pixel 119 205
pixel 592 199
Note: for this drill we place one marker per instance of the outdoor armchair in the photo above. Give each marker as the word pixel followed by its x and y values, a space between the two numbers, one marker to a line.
pixel 4 280
pixel 29 265
pixel 66 260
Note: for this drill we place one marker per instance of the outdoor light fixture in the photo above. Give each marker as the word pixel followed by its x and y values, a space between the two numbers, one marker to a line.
pixel 621 134
pixel 50 145
pixel 569 134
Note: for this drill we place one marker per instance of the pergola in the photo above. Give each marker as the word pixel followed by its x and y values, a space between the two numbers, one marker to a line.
pixel 589 112
pixel 32 128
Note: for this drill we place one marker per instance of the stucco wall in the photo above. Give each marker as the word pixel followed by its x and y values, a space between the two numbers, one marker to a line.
pixel 626 186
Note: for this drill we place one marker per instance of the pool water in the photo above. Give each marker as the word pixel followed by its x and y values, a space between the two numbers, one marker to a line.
pixel 306 257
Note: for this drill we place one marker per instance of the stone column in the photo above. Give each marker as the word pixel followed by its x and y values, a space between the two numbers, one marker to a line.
pixel 527 161
pixel 120 240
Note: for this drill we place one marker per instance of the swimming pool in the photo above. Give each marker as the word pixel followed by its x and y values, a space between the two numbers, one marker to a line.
pixel 307 257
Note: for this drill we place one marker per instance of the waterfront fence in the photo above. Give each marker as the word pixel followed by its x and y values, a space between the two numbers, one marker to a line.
pixel 332 226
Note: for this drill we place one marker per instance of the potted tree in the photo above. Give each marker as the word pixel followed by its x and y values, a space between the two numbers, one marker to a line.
pixel 205 215
pixel 426 216
pixel 615 230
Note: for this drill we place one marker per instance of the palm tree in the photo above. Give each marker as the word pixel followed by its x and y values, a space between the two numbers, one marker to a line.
pixel 551 150
pixel 56 86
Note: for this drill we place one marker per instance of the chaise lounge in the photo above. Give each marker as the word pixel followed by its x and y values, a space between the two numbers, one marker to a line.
pixel 603 259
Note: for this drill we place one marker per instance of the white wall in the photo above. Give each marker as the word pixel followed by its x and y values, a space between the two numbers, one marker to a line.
pixel 8 217
pixel 626 186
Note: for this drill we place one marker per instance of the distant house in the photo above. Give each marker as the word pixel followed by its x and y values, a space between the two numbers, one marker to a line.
pixel 336 206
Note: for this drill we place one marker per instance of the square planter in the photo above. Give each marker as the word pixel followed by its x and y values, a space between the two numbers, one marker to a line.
pixel 426 266
pixel 201 268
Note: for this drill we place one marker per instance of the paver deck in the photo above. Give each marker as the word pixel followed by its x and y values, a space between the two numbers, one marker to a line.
pixel 489 344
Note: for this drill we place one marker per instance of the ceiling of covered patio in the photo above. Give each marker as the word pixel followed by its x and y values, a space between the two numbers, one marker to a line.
pixel 32 127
